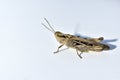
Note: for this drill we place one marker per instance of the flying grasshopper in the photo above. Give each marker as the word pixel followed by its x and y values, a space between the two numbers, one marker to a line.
pixel 76 42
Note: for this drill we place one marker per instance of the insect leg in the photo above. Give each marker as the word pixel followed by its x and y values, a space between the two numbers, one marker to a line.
pixel 79 54
pixel 58 48
pixel 95 39
pixel 98 39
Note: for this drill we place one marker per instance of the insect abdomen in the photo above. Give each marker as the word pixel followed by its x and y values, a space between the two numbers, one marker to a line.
pixel 85 46
pixel 105 47
pixel 99 47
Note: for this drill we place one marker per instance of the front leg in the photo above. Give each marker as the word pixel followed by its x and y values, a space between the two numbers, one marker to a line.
pixel 58 49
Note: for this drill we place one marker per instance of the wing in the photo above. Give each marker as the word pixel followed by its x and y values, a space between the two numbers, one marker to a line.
pixel 78 44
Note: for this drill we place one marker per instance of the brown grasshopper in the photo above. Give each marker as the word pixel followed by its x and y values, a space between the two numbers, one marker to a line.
pixel 76 42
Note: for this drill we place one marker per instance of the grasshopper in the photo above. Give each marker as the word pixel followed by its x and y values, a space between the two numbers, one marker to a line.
pixel 76 42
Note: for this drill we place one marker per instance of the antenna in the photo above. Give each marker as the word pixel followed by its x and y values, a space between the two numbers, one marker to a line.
pixel 50 27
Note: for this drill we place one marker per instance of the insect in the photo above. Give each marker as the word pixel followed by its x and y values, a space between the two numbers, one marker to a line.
pixel 76 42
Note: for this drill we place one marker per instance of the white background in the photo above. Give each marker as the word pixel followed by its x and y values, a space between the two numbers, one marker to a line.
pixel 26 47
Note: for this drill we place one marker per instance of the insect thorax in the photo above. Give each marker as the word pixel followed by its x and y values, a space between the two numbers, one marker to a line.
pixel 61 37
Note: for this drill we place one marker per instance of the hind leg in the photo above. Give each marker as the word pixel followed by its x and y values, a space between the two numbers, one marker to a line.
pixel 95 39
